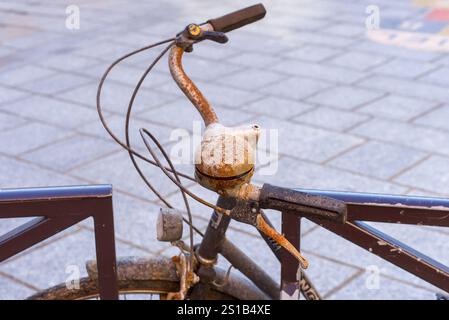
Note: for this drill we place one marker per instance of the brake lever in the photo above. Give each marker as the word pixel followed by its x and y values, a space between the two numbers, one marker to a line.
pixel 216 36
pixel 249 213
pixel 193 33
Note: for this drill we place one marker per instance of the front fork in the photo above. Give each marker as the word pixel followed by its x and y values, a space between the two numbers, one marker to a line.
pixel 209 248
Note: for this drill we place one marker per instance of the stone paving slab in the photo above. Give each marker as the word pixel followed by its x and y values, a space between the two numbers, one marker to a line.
pixel 352 114
pixel 18 173
pixel 8 94
pixel 285 108
pixel 407 68
pixel 439 77
pixel 51 111
pixel 217 94
pixel 8 121
pixel 295 88
pixel 398 107
pixel 314 176
pixel 379 159
pixel 117 124
pixel 55 84
pixel 434 171
pixel 436 118
pixel 24 74
pixel 115 97
pixel 328 118
pixel 358 60
pixel 318 71
pixel 345 97
pixel 413 136
pixel 300 141
pixel 73 152
pixel 407 87
pixel 30 137
pixel 11 288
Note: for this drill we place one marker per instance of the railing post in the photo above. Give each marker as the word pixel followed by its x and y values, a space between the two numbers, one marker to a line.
pixel 291 228
pixel 105 249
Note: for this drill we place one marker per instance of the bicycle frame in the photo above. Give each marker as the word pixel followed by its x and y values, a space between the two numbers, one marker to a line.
pixel 361 207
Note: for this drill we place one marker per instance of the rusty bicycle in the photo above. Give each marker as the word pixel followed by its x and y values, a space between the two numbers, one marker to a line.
pixel 193 273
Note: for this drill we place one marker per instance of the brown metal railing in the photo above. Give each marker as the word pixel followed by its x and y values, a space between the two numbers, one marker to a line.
pixel 56 209
pixel 375 208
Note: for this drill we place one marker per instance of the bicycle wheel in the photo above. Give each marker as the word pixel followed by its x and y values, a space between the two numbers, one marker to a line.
pixel 128 289
pixel 146 278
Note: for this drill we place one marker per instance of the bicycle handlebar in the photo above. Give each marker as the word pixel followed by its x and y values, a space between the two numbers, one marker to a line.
pixel 238 18
pixel 233 179
pixel 195 33
pixel 284 199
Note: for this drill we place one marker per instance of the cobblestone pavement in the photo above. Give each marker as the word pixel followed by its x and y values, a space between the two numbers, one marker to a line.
pixel 352 114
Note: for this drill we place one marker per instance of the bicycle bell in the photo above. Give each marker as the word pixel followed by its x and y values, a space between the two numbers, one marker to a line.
pixel 226 157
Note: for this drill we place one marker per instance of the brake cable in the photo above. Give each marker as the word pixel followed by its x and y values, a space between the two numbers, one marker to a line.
pixel 128 116
pixel 125 146
pixel 99 108
pixel 158 163
pixel 183 190
pixel 136 166
pixel 176 180
pixel 133 153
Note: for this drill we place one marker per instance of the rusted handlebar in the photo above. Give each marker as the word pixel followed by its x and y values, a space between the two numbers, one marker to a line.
pixel 188 87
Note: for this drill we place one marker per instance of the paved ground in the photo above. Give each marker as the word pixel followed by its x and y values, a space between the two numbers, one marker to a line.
pixel 352 115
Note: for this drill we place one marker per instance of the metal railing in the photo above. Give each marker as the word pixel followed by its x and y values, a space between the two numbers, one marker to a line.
pixel 55 209
pixel 375 208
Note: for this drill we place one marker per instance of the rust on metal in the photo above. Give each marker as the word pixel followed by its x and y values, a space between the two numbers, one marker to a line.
pixel 416 210
pixel 139 268
pixel 215 242
pixel 169 225
pixel 265 228
pixel 391 250
pixel 187 277
pixel 303 203
pixel 226 158
pixel 188 87
pixel 249 191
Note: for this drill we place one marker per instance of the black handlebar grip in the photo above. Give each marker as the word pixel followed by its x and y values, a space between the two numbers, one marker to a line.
pixel 238 18
pixel 283 199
